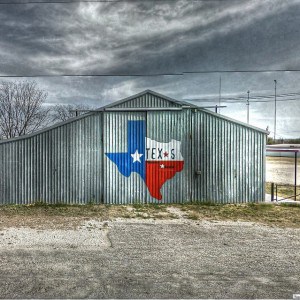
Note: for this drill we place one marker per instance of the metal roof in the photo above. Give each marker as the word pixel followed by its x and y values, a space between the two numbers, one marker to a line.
pixel 182 104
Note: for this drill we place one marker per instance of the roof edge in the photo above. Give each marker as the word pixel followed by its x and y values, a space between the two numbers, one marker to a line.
pixel 56 125
pixel 144 93
pixel 234 121
pixel 101 109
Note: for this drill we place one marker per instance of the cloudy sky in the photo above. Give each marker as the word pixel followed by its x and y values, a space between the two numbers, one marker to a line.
pixel 177 48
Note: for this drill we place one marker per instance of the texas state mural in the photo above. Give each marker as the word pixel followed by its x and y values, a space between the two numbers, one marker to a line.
pixel 155 162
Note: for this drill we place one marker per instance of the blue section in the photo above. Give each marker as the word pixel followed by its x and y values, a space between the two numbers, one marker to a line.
pixel 136 135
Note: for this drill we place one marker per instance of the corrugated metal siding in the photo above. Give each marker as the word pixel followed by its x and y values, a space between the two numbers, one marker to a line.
pixel 231 159
pixel 148 100
pixel 163 127
pixel 120 189
pixel 63 164
pixel 68 163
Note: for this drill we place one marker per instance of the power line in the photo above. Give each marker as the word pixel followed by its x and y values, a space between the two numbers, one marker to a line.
pixel 242 99
pixel 265 96
pixel 270 101
pixel 242 71
pixel 261 96
pixel 146 75
pixel 92 75
pixel 239 101
pixel 86 1
pixel 236 101
pixel 63 2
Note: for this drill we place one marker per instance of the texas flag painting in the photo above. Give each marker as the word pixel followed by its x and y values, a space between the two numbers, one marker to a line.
pixel 155 162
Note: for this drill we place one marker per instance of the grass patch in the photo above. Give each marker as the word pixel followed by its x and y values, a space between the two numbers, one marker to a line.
pixel 270 214
pixel 204 203
pixel 286 191
pixel 290 205
pixel 138 206
pixel 284 215
pixel 260 206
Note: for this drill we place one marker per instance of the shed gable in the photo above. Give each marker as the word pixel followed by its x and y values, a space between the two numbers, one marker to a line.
pixel 146 99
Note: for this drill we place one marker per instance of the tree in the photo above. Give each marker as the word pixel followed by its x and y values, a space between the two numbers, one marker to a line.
pixel 63 112
pixel 21 108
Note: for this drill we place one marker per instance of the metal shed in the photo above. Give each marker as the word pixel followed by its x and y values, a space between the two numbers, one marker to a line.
pixel 147 148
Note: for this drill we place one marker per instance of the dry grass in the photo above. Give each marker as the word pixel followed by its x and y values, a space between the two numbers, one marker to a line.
pixel 269 214
pixel 63 216
pixel 286 191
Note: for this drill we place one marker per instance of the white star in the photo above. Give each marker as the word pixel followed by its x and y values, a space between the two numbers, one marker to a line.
pixel 136 156
pixel 162 166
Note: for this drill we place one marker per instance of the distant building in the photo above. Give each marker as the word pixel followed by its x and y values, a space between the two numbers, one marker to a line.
pixel 283 150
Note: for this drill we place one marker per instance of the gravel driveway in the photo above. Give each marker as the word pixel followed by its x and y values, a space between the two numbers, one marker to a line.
pixel 150 259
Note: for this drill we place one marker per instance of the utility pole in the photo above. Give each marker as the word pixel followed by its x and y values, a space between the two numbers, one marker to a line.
pixel 220 86
pixel 275 81
pixel 248 108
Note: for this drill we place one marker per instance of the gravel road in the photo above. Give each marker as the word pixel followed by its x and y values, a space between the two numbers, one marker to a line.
pixel 150 259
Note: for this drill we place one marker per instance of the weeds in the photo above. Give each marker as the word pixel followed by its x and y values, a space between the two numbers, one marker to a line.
pixel 285 215
pixel 204 203
pixel 290 205
pixel 285 191
pixel 193 216
pixel 138 206
pixel 260 206
pixel 40 204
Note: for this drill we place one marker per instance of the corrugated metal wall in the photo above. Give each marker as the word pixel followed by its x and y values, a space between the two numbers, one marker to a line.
pixel 68 163
pixel 163 127
pixel 148 100
pixel 231 159
pixel 62 164
pixel 120 189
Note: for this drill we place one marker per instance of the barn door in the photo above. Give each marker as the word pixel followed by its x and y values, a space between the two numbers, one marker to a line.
pixel 124 157
pixel 168 156
pixel 147 157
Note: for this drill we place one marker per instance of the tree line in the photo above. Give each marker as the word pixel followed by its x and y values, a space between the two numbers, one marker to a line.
pixel 23 109
pixel 271 141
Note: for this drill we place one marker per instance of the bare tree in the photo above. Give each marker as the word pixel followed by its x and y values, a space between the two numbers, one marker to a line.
pixel 21 108
pixel 63 112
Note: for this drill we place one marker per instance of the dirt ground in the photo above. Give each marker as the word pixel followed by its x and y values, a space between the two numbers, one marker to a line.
pixel 88 257
pixel 281 170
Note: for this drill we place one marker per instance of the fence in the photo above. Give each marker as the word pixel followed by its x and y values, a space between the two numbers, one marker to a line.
pixel 285 192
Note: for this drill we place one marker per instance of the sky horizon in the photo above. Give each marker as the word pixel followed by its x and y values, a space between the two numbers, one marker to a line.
pixel 180 49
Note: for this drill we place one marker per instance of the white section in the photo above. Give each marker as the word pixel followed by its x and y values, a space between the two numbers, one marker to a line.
pixel 157 151
pixel 136 156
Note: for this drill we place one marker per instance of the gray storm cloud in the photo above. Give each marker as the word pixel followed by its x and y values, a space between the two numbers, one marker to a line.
pixel 156 37
pixel 134 37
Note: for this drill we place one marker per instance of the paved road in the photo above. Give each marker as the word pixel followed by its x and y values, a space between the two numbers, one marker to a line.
pixel 148 259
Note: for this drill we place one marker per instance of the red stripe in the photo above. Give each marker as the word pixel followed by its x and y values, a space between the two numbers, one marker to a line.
pixel 158 172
